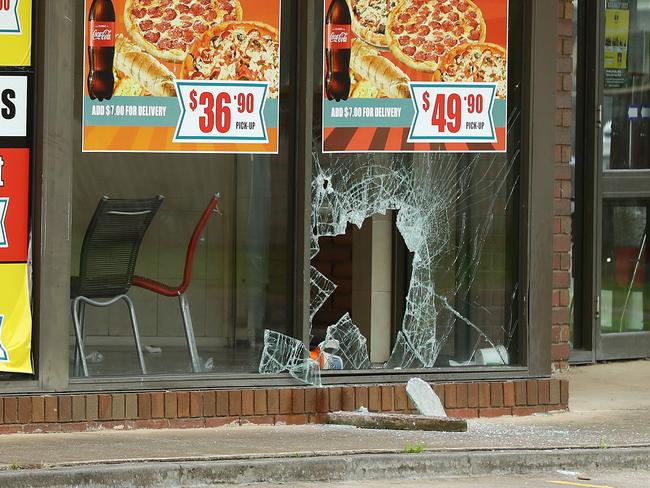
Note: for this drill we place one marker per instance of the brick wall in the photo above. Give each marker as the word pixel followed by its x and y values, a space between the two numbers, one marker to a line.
pixel 210 408
pixel 562 189
pixel 334 260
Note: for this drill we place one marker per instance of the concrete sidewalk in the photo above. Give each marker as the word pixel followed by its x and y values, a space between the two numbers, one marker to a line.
pixel 608 423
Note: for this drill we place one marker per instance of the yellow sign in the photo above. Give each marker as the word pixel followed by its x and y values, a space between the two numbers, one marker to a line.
pixel 617 28
pixel 15 32
pixel 15 319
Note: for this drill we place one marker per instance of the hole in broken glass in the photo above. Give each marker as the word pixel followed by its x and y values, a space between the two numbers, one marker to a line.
pixel 452 210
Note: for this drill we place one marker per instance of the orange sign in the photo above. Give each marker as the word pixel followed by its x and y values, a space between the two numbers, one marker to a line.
pixel 181 76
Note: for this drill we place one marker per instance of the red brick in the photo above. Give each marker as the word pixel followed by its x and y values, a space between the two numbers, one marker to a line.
pixel 285 401
pixel 259 402
pixel 157 405
pixel 78 408
pixel 494 412
pixel 496 395
pixel 234 403
pixel 560 352
pixel 118 408
pixel 11 429
pixel 51 409
pixel 544 392
pixel 335 399
pixel 259 420
pixel 525 411
pixel 298 400
pixel 300 419
pixel 387 399
pixel 41 427
pixel 144 406
pixel 171 405
pixel 463 413
pixel 361 397
pixel 209 403
pixel 248 402
pixel 221 421
pixel 74 427
pixel 273 401
pixel 24 409
pixel 223 404
pixel 182 404
pixel 554 392
pixel 318 418
pixel 322 400
pixel 196 403
pixel 374 399
pixel 461 395
pixel 509 394
pixel 564 392
pixel 532 395
pixel 10 410
pixel 38 407
pixel 472 395
pixel 130 406
pixel 520 393
pixel 348 398
pixel 186 423
pixel 401 399
pixel 152 424
pixel 450 396
pixel 65 408
pixel 484 395
pixel 310 400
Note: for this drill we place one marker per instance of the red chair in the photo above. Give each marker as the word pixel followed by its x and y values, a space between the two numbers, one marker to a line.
pixel 179 291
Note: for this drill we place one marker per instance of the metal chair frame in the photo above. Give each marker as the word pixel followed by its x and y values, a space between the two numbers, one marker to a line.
pixel 99 284
pixel 180 290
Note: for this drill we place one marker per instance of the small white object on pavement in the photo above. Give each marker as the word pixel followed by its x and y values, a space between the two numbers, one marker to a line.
pixel 425 399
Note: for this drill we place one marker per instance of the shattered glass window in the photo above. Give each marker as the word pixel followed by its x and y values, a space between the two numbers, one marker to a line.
pixel 456 216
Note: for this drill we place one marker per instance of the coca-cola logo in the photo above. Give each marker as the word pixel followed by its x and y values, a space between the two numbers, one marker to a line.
pixel 102 35
pixel 339 37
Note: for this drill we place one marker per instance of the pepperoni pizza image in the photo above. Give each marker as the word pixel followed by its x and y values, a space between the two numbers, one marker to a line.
pixel 236 51
pixel 167 28
pixel 421 32
pixel 476 62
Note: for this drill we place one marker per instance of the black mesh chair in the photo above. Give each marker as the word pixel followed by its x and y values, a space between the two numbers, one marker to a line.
pixel 108 256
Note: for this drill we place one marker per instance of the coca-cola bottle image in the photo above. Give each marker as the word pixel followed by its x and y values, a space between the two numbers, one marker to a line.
pixel 101 49
pixel 338 39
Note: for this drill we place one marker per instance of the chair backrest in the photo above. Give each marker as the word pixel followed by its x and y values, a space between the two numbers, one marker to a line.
pixel 111 244
pixel 191 247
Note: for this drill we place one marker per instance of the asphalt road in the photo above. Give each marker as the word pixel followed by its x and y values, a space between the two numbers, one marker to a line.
pixel 621 479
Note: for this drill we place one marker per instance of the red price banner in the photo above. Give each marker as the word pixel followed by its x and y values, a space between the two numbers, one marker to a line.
pixel 458 112
pixel 14 204
pixel 228 111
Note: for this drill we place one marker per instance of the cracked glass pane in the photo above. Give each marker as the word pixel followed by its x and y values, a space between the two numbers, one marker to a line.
pixel 451 253
pixel 283 353
pixel 352 346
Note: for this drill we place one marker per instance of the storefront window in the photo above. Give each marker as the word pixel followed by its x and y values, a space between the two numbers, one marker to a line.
pixel 455 214
pixel 241 280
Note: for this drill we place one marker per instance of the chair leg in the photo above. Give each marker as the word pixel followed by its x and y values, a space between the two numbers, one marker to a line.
pixel 189 333
pixel 77 330
pixel 136 333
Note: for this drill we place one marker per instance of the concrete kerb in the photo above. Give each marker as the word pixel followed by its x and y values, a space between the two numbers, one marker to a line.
pixel 427 464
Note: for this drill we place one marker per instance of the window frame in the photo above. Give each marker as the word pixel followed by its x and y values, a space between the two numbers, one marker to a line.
pixel 57 85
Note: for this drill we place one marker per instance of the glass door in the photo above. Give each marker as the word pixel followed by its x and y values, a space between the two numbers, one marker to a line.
pixel 623 271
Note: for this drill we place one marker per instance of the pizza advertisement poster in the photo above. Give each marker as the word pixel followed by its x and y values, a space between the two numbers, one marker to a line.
pixel 188 76
pixel 425 76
